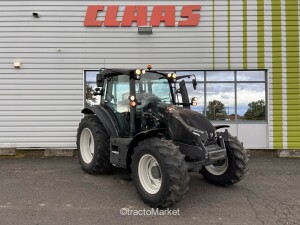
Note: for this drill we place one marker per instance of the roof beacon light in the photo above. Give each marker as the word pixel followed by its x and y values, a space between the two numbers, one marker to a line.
pixel 149 66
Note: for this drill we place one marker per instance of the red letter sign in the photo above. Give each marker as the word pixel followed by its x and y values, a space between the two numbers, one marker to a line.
pixel 91 16
pixel 136 14
pixel 192 19
pixel 111 16
pixel 158 17
pixel 139 15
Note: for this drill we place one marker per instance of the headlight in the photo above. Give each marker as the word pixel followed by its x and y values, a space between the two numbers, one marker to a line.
pixel 194 101
pixel 138 72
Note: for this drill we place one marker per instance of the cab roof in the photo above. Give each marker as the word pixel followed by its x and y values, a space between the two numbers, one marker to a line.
pixel 115 72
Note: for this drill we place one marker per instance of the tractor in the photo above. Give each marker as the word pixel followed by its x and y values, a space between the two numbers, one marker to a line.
pixel 144 124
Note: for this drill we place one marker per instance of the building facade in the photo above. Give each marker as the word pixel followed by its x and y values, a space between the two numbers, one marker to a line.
pixel 245 55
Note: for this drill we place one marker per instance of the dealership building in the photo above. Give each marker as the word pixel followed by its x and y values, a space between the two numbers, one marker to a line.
pixel 245 55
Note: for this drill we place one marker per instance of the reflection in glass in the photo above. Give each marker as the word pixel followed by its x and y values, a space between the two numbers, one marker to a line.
pixel 250 75
pixel 220 75
pixel 251 101
pixel 90 85
pixel 199 75
pixel 220 102
pixel 90 99
pixel 90 76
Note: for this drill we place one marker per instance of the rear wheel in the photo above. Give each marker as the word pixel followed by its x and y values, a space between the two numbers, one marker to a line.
pixel 93 146
pixel 159 172
pixel 230 170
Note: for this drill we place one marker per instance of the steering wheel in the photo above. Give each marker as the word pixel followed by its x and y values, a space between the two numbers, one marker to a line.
pixel 149 100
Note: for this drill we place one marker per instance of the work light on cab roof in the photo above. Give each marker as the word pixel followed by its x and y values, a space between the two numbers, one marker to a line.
pixel 138 73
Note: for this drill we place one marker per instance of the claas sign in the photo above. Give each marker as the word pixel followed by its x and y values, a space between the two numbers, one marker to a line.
pixel 161 14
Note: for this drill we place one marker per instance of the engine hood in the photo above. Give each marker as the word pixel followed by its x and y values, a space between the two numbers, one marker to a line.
pixel 196 120
pixel 182 123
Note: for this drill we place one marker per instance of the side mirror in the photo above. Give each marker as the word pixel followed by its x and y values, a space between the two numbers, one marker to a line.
pixel 184 94
pixel 100 80
pixel 194 84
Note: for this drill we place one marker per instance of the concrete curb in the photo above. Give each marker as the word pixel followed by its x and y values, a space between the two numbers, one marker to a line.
pixel 289 153
pixel 32 152
pixel 52 152
pixel 58 152
pixel 7 152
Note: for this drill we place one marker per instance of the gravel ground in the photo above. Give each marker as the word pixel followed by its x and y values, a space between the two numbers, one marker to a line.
pixel 35 190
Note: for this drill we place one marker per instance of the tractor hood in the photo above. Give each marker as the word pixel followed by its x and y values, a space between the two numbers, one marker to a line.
pixel 195 119
pixel 186 125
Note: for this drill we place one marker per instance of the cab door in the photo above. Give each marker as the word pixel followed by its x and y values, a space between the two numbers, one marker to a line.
pixel 116 98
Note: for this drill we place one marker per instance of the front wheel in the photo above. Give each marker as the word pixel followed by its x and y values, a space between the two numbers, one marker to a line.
pixel 159 172
pixel 230 170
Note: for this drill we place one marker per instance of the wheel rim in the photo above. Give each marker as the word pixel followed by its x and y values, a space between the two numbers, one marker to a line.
pixel 149 174
pixel 218 168
pixel 87 145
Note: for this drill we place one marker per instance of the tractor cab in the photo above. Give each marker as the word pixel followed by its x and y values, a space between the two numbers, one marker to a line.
pixel 139 93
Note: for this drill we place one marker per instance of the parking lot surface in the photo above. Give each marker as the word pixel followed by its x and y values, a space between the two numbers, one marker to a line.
pixel 36 190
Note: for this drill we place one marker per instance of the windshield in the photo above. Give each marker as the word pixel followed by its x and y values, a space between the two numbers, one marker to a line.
pixel 153 86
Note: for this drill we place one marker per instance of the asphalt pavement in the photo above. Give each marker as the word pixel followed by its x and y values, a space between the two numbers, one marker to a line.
pixel 35 190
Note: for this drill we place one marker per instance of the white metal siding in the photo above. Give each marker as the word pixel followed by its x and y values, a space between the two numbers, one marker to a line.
pixel 40 103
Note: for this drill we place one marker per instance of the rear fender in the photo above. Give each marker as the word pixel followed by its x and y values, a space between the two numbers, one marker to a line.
pixel 104 117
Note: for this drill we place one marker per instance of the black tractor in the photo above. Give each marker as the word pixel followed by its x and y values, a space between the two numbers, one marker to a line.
pixel 144 124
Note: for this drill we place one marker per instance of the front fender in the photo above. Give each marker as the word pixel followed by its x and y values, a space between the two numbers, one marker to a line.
pixel 142 136
pixel 224 135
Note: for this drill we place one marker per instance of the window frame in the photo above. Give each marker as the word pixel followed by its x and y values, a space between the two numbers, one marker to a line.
pixel 205 82
pixel 235 82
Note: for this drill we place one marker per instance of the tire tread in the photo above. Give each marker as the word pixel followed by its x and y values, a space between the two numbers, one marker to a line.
pixel 176 169
pixel 102 163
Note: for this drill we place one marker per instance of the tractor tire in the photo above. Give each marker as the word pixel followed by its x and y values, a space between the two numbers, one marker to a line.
pixel 159 172
pixel 232 169
pixel 93 146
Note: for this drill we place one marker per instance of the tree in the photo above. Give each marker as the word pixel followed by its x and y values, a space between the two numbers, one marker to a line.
pixel 256 111
pixel 89 97
pixel 216 110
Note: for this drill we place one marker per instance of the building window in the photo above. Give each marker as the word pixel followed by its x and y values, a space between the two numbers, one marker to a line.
pixel 222 95
pixel 89 87
pixel 231 95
